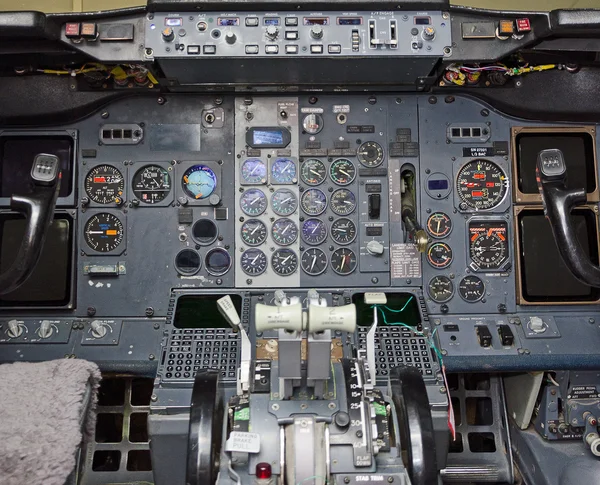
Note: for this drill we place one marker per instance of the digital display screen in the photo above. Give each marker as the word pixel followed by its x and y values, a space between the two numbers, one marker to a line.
pixel 422 20
pixel 201 311
pixel 437 184
pixel 228 21
pixel 349 21
pixel 578 149
pixel 50 283
pixel 316 20
pixel 395 301
pixel 174 22
pixel 267 137
pixel 544 275
pixel 17 154
pixel 272 21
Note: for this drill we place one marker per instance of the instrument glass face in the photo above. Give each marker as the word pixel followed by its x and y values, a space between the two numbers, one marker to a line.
pixel 481 185
pixel 104 184
pixel 199 182
pixel 151 184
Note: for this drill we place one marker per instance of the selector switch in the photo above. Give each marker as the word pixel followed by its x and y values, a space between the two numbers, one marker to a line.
pixel 375 248
pixel 374 206
pixel 483 335
pixel 168 34
pixel 45 330
pixel 15 329
pixel 99 329
pixel 230 38
pixel 272 32
pixel 428 33
pixel 316 32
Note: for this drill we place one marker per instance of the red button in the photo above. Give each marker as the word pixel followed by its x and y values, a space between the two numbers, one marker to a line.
pixel 523 25
pixel 263 471
pixel 72 30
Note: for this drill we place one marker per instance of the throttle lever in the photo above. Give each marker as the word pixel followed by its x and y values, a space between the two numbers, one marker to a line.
pixel 551 176
pixel 38 209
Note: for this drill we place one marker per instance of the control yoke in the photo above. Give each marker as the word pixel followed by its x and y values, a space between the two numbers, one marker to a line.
pixel 38 209
pixel 558 202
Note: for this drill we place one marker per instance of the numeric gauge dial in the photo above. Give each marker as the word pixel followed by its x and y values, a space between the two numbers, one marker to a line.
pixel 284 232
pixel 440 289
pixel 104 184
pixel 104 232
pixel 481 185
pixel 343 231
pixel 343 261
pixel 439 225
pixel 283 171
pixel 151 184
pixel 471 289
pixel 342 172
pixel 370 154
pixel 253 202
pixel 439 255
pixel 312 123
pixel 284 202
pixel 254 232
pixel 313 202
pixel 488 245
pixel 314 262
pixel 284 262
pixel 254 171
pixel 313 172
pixel 199 182
pixel 253 262
pixel 343 202
pixel 314 231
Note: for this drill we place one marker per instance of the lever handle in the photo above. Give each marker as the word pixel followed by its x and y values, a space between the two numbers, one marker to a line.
pixel 558 202
pixel 38 209
pixel 287 317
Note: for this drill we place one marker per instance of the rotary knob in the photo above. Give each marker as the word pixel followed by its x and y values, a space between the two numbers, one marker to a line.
pixel 316 32
pixel 230 38
pixel 168 34
pixel 428 33
pixel 45 330
pixel 15 329
pixel 272 32
pixel 98 329
pixel 375 248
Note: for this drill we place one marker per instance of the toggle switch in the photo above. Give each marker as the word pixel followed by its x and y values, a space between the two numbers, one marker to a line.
pixel 374 206
pixel 483 335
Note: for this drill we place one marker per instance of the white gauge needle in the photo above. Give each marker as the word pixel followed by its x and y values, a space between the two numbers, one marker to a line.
pixel 316 173
pixel 254 170
pixel 254 201
pixel 95 232
pixel 314 261
pixel 286 200
pixel 286 228
pixel 348 202
pixel 285 260
pixel 255 229
pixel 345 173
pixel 254 260
pixel 315 228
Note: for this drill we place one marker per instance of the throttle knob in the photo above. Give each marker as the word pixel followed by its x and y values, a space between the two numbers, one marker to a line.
pixel 316 32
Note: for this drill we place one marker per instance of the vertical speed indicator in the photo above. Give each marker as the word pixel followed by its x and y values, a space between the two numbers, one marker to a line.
pixel 481 185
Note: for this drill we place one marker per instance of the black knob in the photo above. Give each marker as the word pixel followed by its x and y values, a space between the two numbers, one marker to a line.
pixel 168 34
pixel 342 419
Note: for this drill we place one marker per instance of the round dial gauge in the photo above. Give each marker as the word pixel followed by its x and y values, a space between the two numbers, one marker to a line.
pixel 342 171
pixel 284 262
pixel 439 255
pixel 439 225
pixel 481 185
pixel 254 171
pixel 313 202
pixel 253 202
pixel 284 232
pixel 104 184
pixel 343 202
pixel 284 202
pixel 471 289
pixel 440 289
pixel 313 172
pixel 488 245
pixel 254 262
pixel 370 154
pixel 104 232
pixel 199 182
pixel 314 231
pixel 283 171
pixel 314 261
pixel 151 184
pixel 254 232
pixel 312 123
pixel 343 261
pixel 343 231
pixel 217 261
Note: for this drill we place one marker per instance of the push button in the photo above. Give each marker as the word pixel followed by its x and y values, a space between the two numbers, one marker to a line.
pixel 251 49
pixel 209 49
pixel 316 49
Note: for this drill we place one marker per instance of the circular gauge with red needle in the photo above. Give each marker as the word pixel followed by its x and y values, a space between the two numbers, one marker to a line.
pixel 343 261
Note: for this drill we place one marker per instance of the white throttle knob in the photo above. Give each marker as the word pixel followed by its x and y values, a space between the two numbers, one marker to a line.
pixel 332 318
pixel 269 317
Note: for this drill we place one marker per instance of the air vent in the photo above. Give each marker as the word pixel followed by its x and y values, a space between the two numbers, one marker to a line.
pixel 126 134
pixel 468 133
